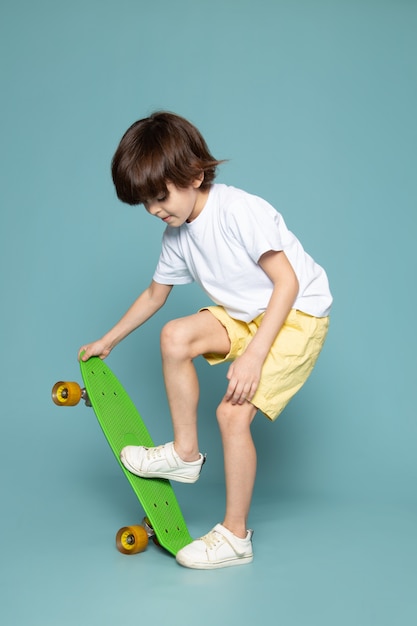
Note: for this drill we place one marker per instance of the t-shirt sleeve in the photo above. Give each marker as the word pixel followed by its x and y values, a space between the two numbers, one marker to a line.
pixel 171 268
pixel 255 224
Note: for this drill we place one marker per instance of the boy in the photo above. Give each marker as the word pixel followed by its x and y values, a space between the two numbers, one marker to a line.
pixel 270 316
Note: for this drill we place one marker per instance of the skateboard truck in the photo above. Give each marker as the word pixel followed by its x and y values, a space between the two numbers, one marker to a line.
pixel 84 396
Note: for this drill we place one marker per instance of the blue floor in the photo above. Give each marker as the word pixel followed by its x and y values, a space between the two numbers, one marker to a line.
pixel 319 559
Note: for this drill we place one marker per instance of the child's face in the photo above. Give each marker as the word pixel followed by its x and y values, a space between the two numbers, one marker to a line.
pixel 178 205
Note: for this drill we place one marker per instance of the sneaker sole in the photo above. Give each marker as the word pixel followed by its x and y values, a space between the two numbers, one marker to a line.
pixel 216 564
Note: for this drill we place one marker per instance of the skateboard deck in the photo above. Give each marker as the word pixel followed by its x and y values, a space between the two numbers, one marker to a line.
pixel 122 425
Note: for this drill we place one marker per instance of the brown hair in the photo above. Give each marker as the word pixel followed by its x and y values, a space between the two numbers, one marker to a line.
pixel 161 148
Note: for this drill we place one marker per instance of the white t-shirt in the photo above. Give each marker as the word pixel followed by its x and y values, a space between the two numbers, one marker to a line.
pixel 220 250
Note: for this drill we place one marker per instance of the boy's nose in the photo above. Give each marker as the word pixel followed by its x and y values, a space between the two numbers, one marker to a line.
pixel 154 209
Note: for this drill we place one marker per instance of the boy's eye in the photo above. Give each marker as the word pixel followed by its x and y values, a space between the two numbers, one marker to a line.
pixel 161 198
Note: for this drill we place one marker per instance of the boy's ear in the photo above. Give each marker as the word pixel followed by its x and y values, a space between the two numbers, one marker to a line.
pixel 197 182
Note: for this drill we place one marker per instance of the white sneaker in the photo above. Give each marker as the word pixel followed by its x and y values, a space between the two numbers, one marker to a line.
pixel 161 462
pixel 219 548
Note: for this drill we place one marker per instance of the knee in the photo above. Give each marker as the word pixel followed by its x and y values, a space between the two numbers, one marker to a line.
pixel 223 415
pixel 174 339
pixel 234 419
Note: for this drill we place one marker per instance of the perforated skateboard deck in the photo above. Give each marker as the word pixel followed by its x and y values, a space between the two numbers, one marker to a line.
pixel 122 425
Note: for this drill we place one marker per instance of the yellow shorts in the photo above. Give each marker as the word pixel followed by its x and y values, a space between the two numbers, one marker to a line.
pixel 289 362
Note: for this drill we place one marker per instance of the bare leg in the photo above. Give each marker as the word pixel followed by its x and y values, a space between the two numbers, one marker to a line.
pixel 181 341
pixel 239 462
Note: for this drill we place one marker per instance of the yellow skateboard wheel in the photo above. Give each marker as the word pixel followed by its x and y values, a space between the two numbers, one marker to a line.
pixel 66 393
pixel 132 539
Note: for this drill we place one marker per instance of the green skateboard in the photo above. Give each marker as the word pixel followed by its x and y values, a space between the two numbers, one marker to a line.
pixel 122 426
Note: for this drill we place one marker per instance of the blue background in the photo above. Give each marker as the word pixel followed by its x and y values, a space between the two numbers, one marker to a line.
pixel 314 104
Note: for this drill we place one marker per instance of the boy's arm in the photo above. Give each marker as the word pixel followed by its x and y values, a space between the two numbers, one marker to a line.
pixel 245 372
pixel 148 303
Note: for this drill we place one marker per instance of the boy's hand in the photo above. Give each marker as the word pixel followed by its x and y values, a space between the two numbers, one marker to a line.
pixel 97 348
pixel 244 375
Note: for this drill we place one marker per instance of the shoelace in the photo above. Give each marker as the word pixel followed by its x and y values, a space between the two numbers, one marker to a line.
pixel 212 539
pixel 154 453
